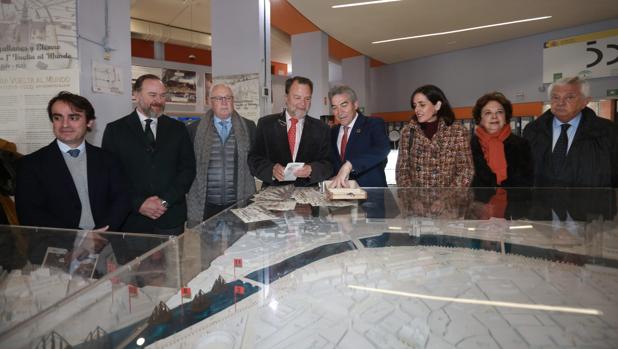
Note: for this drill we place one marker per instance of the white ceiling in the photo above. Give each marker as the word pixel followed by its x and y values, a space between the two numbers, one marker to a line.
pixel 357 27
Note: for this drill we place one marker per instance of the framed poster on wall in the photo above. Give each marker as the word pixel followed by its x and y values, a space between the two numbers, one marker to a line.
pixel 181 86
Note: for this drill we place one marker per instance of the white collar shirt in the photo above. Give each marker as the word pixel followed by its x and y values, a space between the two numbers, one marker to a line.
pixel 340 136
pixel 153 124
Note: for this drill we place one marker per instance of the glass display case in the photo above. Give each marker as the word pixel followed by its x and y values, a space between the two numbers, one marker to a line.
pixel 407 267
pixel 42 267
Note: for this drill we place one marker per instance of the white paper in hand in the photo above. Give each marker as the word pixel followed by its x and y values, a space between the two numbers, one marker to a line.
pixel 288 173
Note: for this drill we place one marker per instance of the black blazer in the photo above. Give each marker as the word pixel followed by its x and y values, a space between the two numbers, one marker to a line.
pixel 592 160
pixel 367 150
pixel 519 162
pixel 46 195
pixel 271 147
pixel 166 170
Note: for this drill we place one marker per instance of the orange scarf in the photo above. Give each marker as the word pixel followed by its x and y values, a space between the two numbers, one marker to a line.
pixel 496 207
pixel 493 150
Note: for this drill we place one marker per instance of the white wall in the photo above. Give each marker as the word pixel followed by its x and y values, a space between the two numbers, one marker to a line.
pixel 356 76
pixel 335 73
pixel 241 41
pixel 513 67
pixel 91 26
pixel 310 59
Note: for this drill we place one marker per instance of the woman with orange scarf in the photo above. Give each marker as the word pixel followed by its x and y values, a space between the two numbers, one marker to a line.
pixel 501 159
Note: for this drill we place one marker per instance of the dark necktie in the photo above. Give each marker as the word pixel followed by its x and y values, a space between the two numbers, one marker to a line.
pixel 73 152
pixel 560 149
pixel 148 132
pixel 344 142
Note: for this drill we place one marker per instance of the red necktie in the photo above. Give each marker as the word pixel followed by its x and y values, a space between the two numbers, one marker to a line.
pixel 344 141
pixel 292 136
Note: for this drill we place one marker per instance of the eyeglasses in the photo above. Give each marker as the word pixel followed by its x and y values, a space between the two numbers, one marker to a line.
pixel 568 98
pixel 221 99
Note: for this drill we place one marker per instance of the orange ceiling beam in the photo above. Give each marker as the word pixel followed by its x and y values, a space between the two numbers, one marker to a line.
pixel 374 63
pixel 286 18
pixel 338 50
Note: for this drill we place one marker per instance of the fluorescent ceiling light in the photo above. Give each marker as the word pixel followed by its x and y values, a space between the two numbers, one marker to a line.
pixel 363 3
pixel 584 311
pixel 514 227
pixel 462 30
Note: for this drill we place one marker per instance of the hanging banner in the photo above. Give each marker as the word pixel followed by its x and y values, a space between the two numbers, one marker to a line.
pixel 38 59
pixel 593 55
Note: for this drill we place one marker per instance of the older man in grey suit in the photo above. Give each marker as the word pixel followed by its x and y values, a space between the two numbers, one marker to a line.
pixel 221 140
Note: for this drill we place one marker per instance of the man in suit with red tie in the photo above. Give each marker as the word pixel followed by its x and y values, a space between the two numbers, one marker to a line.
pixel 291 136
pixel 359 144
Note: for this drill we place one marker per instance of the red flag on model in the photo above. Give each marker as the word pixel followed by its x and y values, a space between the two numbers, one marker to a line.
pixel 132 291
pixel 185 292
pixel 111 267
pixel 237 262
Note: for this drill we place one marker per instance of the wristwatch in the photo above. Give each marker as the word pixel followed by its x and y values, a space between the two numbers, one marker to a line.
pixel 164 203
pixel 394 135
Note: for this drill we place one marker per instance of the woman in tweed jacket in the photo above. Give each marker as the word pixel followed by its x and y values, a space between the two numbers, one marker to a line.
pixel 433 152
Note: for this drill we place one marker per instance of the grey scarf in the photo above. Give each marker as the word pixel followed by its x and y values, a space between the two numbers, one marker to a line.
pixel 196 199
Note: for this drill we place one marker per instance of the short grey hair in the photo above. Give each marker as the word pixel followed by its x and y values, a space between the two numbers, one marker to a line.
pixel 340 90
pixel 584 86
pixel 212 88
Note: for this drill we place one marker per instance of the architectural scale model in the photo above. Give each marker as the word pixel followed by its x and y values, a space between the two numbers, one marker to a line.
pixel 340 302
pixel 343 277
pixel 107 306
pixel 24 295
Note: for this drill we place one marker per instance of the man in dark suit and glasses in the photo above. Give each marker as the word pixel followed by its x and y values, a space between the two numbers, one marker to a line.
pixel 158 159
pixel 292 136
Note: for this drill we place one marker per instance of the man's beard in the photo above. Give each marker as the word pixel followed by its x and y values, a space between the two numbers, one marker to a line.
pixel 298 113
pixel 153 114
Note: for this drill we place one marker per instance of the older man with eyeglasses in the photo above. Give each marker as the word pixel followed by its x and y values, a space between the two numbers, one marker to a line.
pixel 221 140
pixel 571 145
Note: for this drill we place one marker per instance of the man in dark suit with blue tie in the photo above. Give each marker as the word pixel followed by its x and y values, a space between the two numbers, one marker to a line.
pixel 158 158
pixel 359 144
pixel 70 183
pixel 291 136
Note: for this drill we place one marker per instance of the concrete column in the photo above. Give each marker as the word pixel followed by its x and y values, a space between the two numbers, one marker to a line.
pixel 355 72
pixel 159 51
pixel 310 59
pixel 91 29
pixel 241 42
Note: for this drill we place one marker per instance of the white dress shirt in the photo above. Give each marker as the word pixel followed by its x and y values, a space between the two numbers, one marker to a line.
pixel 153 124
